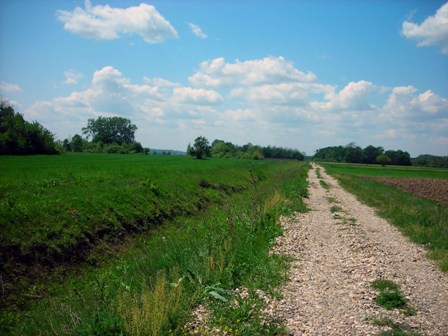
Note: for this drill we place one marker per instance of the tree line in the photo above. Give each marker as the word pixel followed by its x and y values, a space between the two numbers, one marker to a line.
pixel 428 160
pixel 114 135
pixel 224 149
pixel 20 137
pixel 117 135
pixel 369 155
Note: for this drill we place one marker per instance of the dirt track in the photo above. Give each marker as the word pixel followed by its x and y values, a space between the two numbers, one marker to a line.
pixel 338 253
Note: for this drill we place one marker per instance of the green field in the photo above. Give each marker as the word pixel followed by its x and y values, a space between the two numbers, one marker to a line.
pixel 89 239
pixel 54 204
pixel 387 171
pixel 424 221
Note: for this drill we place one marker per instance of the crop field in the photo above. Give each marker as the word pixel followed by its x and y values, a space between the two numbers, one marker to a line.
pixel 387 171
pixel 412 198
pixel 86 236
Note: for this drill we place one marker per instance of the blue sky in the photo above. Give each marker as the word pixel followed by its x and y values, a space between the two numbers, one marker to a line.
pixel 300 74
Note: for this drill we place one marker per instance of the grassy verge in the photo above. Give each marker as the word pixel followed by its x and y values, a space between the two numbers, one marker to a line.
pixel 424 221
pixel 152 288
pixel 57 211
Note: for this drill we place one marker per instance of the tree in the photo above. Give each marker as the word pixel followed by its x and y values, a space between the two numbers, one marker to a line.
pixel 353 153
pixel 77 143
pixel 114 130
pixel 383 160
pixel 20 137
pixel 67 145
pixel 370 153
pixel 201 148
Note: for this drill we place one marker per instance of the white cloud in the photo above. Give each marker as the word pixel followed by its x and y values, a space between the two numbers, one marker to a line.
pixel 354 96
pixel 432 31
pixel 196 96
pixel 6 87
pixel 108 23
pixel 159 82
pixel 389 133
pixel 196 30
pixel 240 114
pixel 72 77
pixel 269 70
pixel 281 106
pixel 404 103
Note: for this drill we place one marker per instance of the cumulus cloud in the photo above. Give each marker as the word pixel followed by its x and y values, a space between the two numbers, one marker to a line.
pixel 405 103
pixel 217 73
pixel 432 31
pixel 72 77
pixel 354 96
pixel 6 87
pixel 272 103
pixel 196 96
pixel 108 23
pixel 240 114
pixel 196 30
pixel 110 93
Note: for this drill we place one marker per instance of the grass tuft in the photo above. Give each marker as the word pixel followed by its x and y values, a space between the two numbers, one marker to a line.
pixel 385 285
pixel 390 300
pixel 396 329
pixel 324 184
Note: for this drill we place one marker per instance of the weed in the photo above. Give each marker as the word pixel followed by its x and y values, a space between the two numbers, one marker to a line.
pixel 396 329
pixel 390 296
pixel 390 300
pixel 385 285
pixel 335 208
pixel 147 313
pixel 243 316
pixel 324 184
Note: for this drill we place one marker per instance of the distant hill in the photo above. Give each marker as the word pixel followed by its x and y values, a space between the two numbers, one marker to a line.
pixel 166 151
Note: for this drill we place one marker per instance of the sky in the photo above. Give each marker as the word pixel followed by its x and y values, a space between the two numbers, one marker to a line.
pixel 300 74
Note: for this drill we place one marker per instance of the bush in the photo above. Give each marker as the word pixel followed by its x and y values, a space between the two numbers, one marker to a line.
pixel 20 137
pixel 257 155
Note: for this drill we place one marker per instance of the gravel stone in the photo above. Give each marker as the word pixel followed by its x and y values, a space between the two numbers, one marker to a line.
pixel 337 255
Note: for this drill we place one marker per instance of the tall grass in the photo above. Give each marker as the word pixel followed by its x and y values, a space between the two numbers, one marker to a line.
pixel 56 211
pixel 146 312
pixel 152 288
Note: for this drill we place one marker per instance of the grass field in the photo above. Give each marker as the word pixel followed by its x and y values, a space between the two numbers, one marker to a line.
pixel 387 171
pixel 219 219
pixel 423 220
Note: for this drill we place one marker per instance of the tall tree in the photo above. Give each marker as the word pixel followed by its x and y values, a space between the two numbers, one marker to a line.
pixel 114 130
pixel 77 143
pixel 370 153
pixel 201 148
pixel 20 137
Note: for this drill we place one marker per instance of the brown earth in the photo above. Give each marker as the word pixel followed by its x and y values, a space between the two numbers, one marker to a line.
pixel 435 189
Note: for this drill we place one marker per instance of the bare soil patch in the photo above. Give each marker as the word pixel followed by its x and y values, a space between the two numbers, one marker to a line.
pixel 435 189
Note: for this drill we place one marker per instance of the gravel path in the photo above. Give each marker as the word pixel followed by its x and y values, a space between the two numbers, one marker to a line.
pixel 340 247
